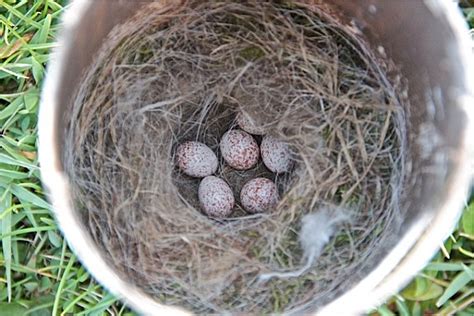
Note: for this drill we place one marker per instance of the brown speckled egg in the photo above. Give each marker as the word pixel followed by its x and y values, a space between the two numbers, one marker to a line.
pixel 246 123
pixel 239 149
pixel 259 195
pixel 276 154
pixel 196 159
pixel 216 197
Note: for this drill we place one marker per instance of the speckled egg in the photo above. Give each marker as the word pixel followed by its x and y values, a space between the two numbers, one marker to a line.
pixel 259 195
pixel 239 149
pixel 216 197
pixel 276 154
pixel 246 123
pixel 196 159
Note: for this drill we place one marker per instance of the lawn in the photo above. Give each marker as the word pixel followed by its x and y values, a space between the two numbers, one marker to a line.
pixel 38 273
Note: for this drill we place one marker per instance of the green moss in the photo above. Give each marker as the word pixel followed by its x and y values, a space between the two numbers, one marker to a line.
pixel 251 53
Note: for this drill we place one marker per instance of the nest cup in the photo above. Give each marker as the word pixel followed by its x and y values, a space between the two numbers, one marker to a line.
pixel 371 137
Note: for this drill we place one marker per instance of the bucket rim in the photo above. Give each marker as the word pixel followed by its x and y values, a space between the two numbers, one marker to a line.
pixel 410 255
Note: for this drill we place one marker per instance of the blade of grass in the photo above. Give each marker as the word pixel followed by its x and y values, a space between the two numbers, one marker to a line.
pixel 9 50
pixel 7 242
pixel 103 304
pixel 74 302
pixel 37 70
pixel 402 306
pixel 467 253
pixel 8 96
pixel 460 281
pixel 25 196
pixel 10 161
pixel 444 251
pixel 461 303
pixel 27 231
pixel 63 255
pixel 467 221
pixel 7 72
pixel 42 36
pixel 26 269
pixel 21 16
pixel 12 108
pixel 444 266
pixel 12 175
pixel 61 285
pixel 468 270
pixel 385 311
pixel 34 310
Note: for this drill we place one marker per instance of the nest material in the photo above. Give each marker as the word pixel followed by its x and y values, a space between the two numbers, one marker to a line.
pixel 182 72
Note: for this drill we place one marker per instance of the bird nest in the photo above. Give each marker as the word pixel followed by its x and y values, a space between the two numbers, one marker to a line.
pixel 183 71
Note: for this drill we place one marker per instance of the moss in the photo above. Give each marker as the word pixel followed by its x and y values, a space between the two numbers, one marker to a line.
pixel 251 53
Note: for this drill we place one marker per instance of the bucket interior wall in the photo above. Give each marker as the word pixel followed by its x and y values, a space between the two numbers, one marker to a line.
pixel 408 32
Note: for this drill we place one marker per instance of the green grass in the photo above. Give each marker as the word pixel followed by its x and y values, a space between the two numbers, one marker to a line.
pixel 39 275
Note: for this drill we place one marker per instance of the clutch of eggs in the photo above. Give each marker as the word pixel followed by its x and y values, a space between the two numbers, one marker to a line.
pixel 240 151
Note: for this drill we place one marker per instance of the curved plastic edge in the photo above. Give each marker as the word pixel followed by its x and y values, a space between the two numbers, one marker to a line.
pixel 424 238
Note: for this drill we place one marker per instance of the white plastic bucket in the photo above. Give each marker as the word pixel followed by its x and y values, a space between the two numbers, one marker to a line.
pixel 427 39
